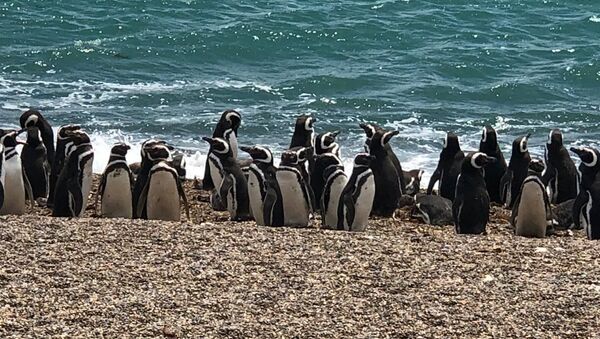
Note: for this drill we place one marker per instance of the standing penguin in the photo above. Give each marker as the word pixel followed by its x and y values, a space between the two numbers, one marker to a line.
pixel 318 177
pixel 493 172
pixel 35 164
pixel 305 154
pixel 388 181
pixel 294 197
pixel 512 180
pixel 260 171
pixel 59 158
pixel 142 176
pixel 163 193
pixel 560 177
pixel 335 182
pixel 233 189
pixel 227 129
pixel 358 195
pixel 32 118
pixel 116 185
pixel 2 177
pixel 471 205
pixel 589 166
pixel 75 180
pixel 324 144
pixel 370 130
pixel 583 204
pixel 532 214
pixel 304 136
pixel 448 168
pixel 16 184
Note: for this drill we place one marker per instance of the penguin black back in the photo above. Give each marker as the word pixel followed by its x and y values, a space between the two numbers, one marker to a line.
pixel 142 177
pixel 59 158
pixel 389 183
pixel 493 172
pixel 510 184
pixel 448 168
pixel 561 175
pixel 227 129
pixel 35 163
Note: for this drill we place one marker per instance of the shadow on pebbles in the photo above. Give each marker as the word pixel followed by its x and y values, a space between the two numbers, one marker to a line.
pixel 94 277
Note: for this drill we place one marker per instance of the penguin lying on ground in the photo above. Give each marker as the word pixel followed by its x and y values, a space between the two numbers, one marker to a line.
pixel 261 171
pixel 432 209
pixel 116 186
pixel 16 185
pixel 493 172
pixel 412 179
pixel 560 177
pixel 518 167
pixel 335 182
pixel 563 214
pixel 448 168
pixel 358 195
pixel 227 129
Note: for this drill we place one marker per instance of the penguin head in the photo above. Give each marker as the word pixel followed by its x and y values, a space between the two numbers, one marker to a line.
pixel 326 141
pixel 380 139
pixel 218 145
pixel 370 129
pixel 536 166
pixel 413 181
pixel 120 149
pixel 589 156
pixel 488 136
pixel 363 160
pixel 34 137
pixel 147 144
pixel 30 118
pixel 519 145
pixel 259 153
pixel 555 139
pixel 302 153
pixel 327 160
pixel 63 131
pixel 233 119
pixel 289 158
pixel 9 139
pixel 477 161
pixel 158 153
pixel 451 142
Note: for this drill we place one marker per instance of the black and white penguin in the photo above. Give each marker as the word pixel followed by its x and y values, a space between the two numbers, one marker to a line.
pixel 32 118
pixel 163 194
pixel 261 171
pixel 433 209
pixel 335 182
pixel 227 129
pixel 560 177
pixel 116 185
pixel 16 184
pixel 179 163
pixel 471 205
pixel 62 139
pixel 586 210
pixel 233 190
pixel 412 179
pixel 588 169
pixel 532 213
pixel 448 168
pixel 294 197
pixel 318 177
pixel 370 130
pixel 325 143
pixel 388 181
pixel 142 176
pixel 3 196
pixel 518 167
pixel 358 196
pixel 305 154
pixel 35 163
pixel 304 136
pixel 75 180
pixel 493 172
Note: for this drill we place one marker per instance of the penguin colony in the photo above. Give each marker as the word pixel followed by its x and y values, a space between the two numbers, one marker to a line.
pixel 309 180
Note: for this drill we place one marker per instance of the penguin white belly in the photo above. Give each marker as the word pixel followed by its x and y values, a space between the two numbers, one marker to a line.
pixel 363 205
pixel 14 188
pixel 335 192
pixel 116 199
pixel 295 207
pixel 531 213
pixel 233 143
pixel 163 198
pixel 232 204
pixel 215 172
pixel 256 203
pixel 86 185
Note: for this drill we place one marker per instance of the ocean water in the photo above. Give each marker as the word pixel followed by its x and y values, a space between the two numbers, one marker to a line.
pixel 129 70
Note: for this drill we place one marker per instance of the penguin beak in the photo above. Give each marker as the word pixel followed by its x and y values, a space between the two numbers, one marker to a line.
pixel 363 126
pixel 246 149
pixel 21 130
pixel 335 133
pixel 19 142
pixel 577 150
pixel 490 160
pixel 209 140
pixel 528 135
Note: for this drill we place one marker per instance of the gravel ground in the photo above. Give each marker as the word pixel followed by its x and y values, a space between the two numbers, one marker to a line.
pixel 94 277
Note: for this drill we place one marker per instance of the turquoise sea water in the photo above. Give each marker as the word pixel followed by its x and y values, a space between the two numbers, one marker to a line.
pixel 128 70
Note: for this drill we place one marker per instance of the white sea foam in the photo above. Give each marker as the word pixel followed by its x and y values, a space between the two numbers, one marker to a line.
pixel 595 18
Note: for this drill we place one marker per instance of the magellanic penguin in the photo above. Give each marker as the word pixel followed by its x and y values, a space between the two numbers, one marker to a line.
pixel 471 205
pixel 370 130
pixel 432 209
pixel 305 154
pixel 35 163
pixel 388 181
pixel 532 213
pixel 227 129
pixel 3 196
pixel 16 185
pixel 75 180
pixel 412 179
pixel 589 169
pixel 493 172
pixel 59 158
pixel 163 193
pixel 324 144
pixel 512 180
pixel 261 171
pixel 589 166
pixel 304 136
pixel 116 185
pixel 448 168
pixel 294 196
pixel 560 177
pixel 586 210
pixel 233 190
pixel 335 181
pixel 142 176
pixel 356 200
pixel 35 118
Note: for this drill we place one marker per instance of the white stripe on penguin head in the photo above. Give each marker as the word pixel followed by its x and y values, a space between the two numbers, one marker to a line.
pixel 474 159
pixel 594 158
pixel 230 114
pixel 224 143
pixel 550 138
pixel 269 158
pixel 307 123
pixel 382 141
pixel 32 118
pixel 446 141
pixel 484 136
pixel 523 145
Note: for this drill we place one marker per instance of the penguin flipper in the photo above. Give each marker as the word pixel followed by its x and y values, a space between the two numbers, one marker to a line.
pixel 581 201
pixel 75 197
pixel 141 202
pixel 434 178
pixel 505 185
pixel 226 185
pixel 349 217
pixel 515 209
pixel 99 192
pixel 28 189
pixel 183 197
pixel 269 206
pixel 1 195
pixel 207 182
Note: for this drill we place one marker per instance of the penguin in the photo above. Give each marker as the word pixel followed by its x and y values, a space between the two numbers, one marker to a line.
pixel 518 167
pixel 563 214
pixel 388 180
pixel 560 177
pixel 142 176
pixel 75 180
pixel 59 158
pixel 370 130
pixel 16 184
pixel 304 136
pixel 318 177
pixel 294 195
pixel 227 129
pixel 324 144
pixel 260 171
pixel 432 209
pixel 163 193
pixel 493 172
pixel 116 185
pixel 358 196
pixel 35 163
pixel 335 181
pixel 305 154
pixel 588 169
pixel 532 213
pixel 179 163
pixel 2 178
pixel 586 210
pixel 32 118
pixel 448 168
pixel 233 189
pixel 471 205
pixel 412 179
